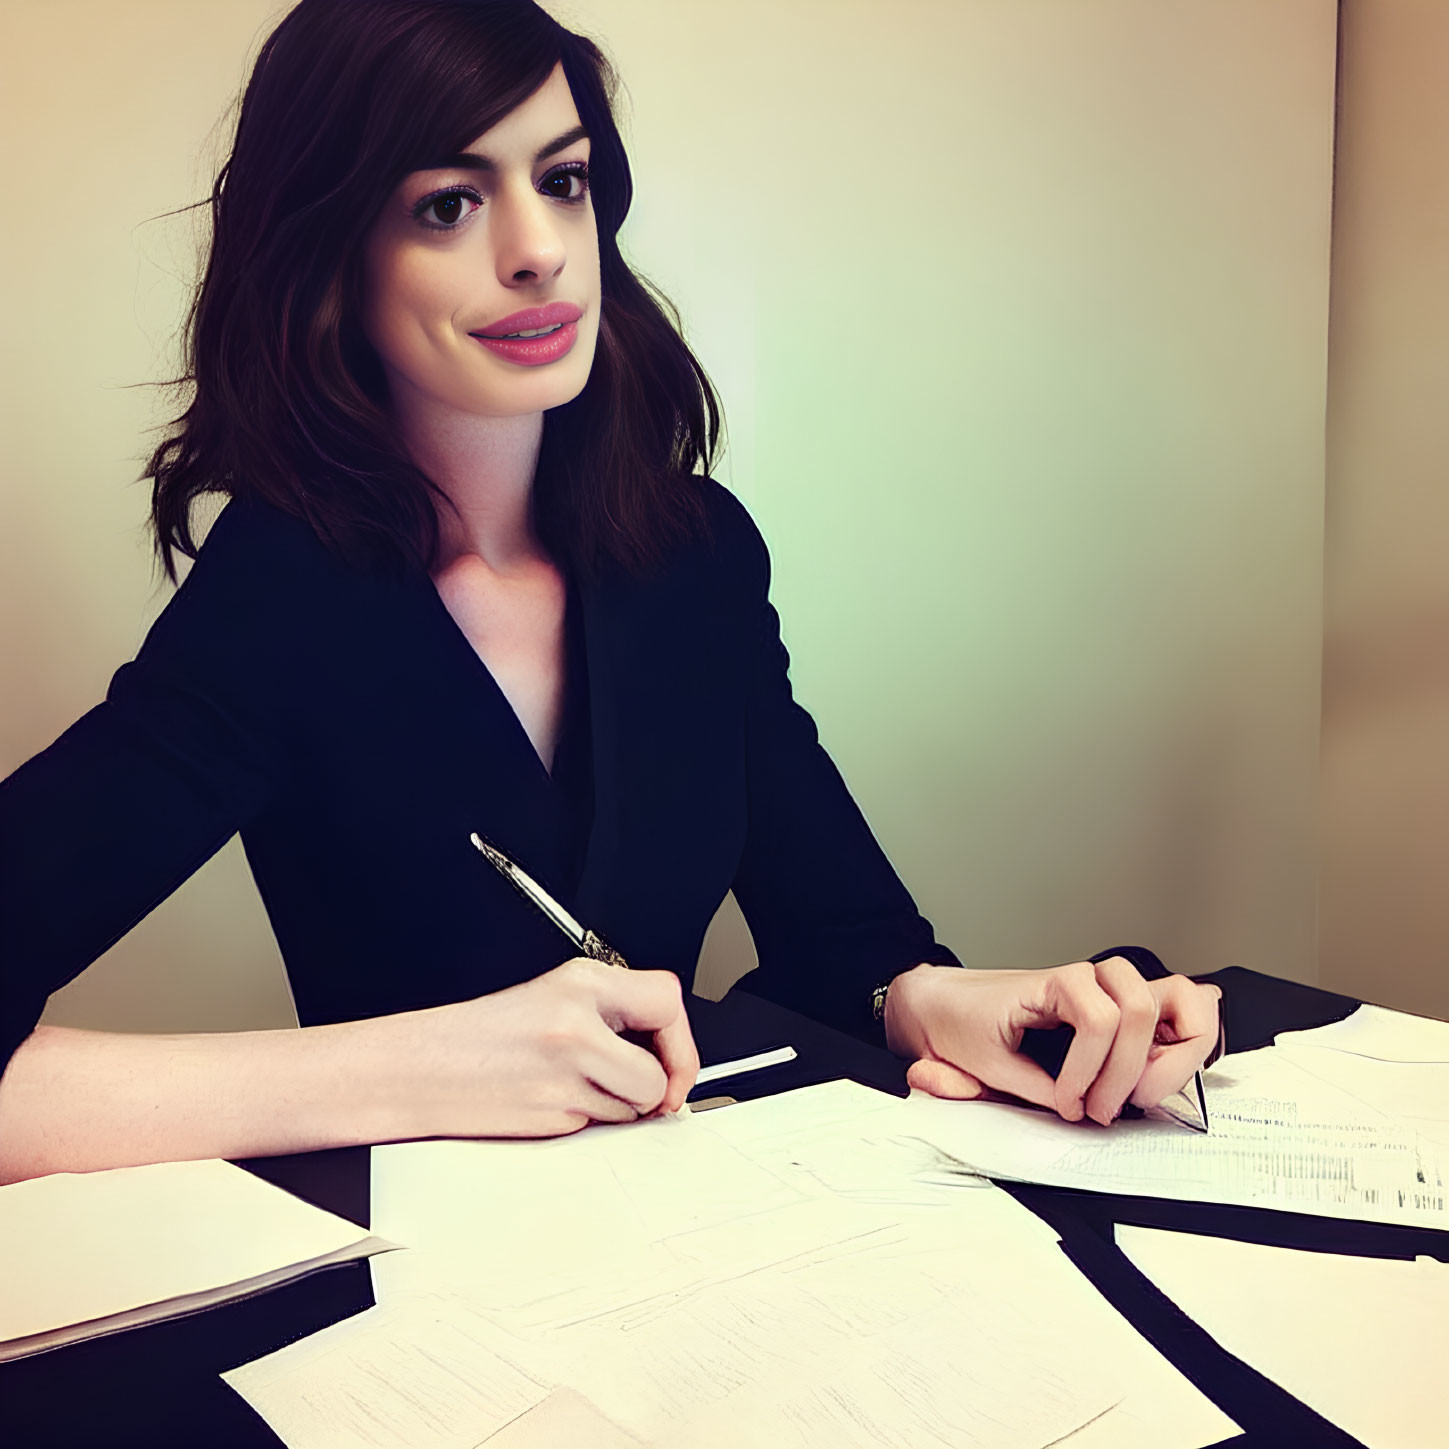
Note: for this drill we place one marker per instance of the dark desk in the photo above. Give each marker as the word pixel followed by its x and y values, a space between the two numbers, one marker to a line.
pixel 158 1386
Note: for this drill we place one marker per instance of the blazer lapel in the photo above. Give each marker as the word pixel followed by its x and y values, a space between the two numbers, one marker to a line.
pixel 599 601
pixel 505 790
pixel 668 801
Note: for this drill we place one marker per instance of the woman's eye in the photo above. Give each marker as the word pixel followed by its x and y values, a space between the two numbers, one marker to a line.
pixel 447 205
pixel 567 174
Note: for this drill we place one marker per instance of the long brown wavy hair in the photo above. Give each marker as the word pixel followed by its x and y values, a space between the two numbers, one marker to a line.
pixel 290 402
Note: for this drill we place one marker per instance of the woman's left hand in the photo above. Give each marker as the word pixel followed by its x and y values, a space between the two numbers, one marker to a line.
pixel 1133 1039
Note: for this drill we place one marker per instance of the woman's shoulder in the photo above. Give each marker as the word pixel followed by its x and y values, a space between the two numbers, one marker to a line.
pixel 726 510
pixel 735 543
pixel 262 582
pixel 253 543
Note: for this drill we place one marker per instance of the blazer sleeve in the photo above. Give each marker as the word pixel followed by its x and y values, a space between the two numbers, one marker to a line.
pixel 104 824
pixel 830 917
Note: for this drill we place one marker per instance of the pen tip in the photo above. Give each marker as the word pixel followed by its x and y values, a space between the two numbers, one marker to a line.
pixel 501 861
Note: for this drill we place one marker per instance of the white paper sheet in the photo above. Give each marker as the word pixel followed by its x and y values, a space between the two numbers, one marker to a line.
pixel 1281 1138
pixel 511 1219
pixel 424 1372
pixel 887 1332
pixel 1363 1341
pixel 564 1420
pixel 1388 1060
pixel 1377 1032
pixel 818 1291
pixel 818 1129
pixel 876 1368
pixel 99 1251
pixel 1415 1093
pixel 844 1139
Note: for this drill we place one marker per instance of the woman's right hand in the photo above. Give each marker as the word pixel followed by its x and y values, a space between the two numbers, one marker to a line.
pixel 546 1057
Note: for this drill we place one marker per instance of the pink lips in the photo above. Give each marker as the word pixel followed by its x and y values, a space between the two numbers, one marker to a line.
pixel 533 351
pixel 530 319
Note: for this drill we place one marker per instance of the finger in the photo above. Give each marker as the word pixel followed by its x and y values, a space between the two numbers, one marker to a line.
pixel 1137 1009
pixel 653 1001
pixel 1079 1000
pixel 636 1000
pixel 601 1105
pixel 995 1060
pixel 1004 1070
pixel 1187 1008
pixel 631 1073
pixel 1188 1031
pixel 679 1056
pixel 941 1079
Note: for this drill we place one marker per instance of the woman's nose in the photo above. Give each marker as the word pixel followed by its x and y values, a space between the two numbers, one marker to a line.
pixel 526 235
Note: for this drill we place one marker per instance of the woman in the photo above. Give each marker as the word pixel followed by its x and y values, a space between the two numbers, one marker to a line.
pixel 469 581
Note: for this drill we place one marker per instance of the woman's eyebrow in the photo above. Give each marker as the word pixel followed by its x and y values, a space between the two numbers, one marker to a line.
pixel 476 161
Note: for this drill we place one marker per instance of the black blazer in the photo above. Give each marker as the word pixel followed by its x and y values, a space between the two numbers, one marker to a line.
pixel 343 723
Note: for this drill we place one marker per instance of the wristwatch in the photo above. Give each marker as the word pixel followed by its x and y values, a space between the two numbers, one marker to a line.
pixel 878 1001
pixel 878 994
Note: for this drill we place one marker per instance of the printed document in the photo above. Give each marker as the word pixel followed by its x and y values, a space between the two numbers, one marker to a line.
pixel 1281 1138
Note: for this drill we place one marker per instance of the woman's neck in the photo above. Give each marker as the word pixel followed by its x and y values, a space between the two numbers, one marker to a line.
pixel 486 466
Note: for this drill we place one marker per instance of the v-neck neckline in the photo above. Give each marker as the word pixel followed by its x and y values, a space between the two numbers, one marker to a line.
pixel 600 836
pixel 462 645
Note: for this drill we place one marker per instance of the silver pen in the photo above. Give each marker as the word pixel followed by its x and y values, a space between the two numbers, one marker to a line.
pixel 587 943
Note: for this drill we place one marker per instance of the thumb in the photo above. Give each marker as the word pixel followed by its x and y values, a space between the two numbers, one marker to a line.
pixel 941 1079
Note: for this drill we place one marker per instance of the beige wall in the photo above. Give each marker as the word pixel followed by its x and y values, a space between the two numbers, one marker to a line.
pixel 1018 311
pixel 107 114
pixel 1384 913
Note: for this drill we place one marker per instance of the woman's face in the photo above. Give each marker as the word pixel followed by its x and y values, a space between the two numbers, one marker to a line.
pixel 459 249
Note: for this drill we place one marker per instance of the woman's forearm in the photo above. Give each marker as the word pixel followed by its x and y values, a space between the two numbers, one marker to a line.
pixel 533 1060
pixel 77 1101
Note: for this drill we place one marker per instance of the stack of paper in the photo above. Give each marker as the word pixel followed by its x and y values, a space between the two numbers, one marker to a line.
pixel 790 1271
pixel 95 1252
